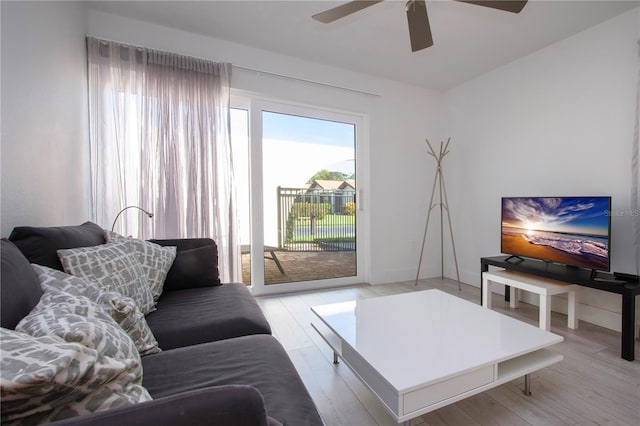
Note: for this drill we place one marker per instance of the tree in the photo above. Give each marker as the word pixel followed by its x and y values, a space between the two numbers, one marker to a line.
pixel 325 174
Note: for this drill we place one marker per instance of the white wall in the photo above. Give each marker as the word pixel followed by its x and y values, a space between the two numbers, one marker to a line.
pixel 557 122
pixel 44 115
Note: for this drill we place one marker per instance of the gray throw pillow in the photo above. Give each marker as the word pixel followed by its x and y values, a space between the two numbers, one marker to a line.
pixel 44 379
pixel 114 267
pixel 121 308
pixel 155 259
pixel 78 319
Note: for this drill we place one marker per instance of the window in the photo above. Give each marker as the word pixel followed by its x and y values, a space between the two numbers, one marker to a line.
pixel 296 173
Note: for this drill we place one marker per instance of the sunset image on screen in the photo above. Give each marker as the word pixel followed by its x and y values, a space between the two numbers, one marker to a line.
pixel 570 230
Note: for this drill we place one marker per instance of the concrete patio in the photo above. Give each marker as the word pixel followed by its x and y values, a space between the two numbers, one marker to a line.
pixel 304 266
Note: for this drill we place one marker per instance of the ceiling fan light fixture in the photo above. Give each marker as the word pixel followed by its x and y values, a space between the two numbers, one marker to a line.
pixel 419 28
pixel 343 10
pixel 513 6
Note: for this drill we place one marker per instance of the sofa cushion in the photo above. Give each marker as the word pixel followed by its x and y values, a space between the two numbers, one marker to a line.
pixel 194 268
pixel 121 308
pixel 114 267
pixel 20 290
pixel 39 244
pixel 45 379
pixel 195 265
pixel 258 361
pixel 233 405
pixel 185 243
pixel 198 315
pixel 154 258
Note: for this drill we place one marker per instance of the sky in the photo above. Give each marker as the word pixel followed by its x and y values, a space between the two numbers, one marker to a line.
pixel 310 130
pixel 305 146
pixel 582 215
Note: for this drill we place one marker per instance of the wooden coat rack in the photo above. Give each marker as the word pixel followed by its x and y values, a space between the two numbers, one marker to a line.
pixel 444 207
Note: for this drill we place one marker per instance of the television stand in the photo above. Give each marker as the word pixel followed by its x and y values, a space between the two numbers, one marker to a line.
pixel 608 278
pixel 627 288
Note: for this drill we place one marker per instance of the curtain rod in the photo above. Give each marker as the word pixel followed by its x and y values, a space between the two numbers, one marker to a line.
pixel 319 83
pixel 240 67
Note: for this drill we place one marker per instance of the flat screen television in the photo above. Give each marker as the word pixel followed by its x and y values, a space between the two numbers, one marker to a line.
pixel 574 231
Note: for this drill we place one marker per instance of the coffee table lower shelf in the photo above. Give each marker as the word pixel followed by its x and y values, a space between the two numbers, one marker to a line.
pixel 407 404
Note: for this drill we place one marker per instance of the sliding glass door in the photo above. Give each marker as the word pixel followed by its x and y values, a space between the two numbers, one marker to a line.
pixel 298 193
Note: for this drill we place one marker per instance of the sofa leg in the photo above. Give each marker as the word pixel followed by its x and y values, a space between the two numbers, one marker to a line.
pixel 335 358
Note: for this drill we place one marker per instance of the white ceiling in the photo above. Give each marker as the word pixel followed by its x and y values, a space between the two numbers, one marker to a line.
pixel 469 40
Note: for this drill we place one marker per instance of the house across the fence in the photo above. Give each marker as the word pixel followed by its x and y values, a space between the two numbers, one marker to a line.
pixel 318 217
pixel 333 185
pixel 334 192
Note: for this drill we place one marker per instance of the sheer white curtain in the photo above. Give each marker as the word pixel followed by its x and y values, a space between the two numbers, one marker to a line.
pixel 160 140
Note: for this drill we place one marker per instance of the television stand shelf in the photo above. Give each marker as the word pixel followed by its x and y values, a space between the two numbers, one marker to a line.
pixel 627 289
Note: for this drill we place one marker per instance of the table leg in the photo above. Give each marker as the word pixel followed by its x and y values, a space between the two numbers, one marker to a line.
pixel 527 385
pixel 545 312
pixel 486 292
pixel 628 326
pixel 513 303
pixel 483 268
pixel 572 310
pixel 276 260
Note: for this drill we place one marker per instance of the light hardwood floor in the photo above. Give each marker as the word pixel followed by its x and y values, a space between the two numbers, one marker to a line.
pixel 591 386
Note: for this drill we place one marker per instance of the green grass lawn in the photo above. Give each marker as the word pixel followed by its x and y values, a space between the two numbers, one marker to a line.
pixel 328 220
pixel 321 239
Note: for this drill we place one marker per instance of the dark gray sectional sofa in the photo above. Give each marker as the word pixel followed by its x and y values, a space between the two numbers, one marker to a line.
pixel 219 363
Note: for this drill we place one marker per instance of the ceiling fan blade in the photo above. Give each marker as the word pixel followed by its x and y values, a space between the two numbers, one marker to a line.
pixel 419 28
pixel 343 10
pixel 506 5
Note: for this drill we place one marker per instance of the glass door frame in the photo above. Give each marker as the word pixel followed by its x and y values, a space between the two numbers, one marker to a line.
pixel 255 105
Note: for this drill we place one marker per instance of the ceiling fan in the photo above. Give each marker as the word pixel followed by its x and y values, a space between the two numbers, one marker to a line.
pixel 419 29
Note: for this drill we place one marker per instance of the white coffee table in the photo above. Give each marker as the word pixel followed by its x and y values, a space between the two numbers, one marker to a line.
pixel 423 350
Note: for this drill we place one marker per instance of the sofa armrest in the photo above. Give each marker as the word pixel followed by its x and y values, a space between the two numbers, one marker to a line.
pixel 233 405
pixel 195 265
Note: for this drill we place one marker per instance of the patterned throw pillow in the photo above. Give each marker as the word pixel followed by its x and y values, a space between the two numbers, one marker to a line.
pixel 44 379
pixel 78 319
pixel 121 308
pixel 155 259
pixel 114 267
